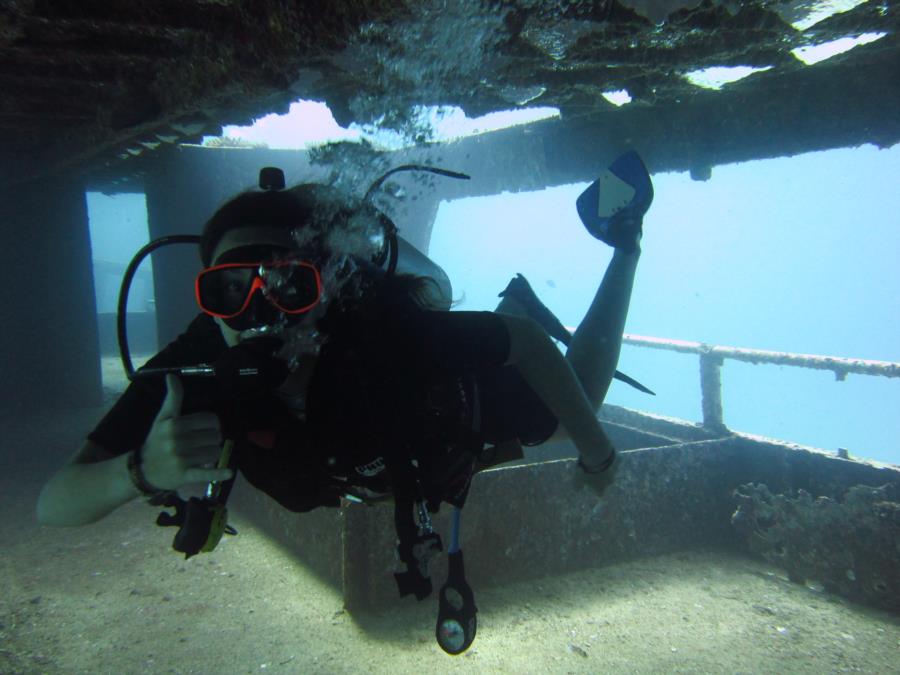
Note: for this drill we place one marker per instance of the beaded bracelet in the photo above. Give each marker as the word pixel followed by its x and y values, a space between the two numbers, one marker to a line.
pixel 603 466
pixel 136 471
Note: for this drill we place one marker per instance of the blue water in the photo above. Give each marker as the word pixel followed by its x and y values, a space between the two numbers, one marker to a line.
pixel 793 254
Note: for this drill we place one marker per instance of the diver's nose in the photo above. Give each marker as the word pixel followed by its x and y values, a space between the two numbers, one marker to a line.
pixel 262 312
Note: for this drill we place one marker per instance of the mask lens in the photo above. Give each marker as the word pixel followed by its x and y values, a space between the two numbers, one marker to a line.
pixel 293 286
pixel 224 290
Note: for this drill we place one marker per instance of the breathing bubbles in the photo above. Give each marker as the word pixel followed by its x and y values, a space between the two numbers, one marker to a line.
pixel 342 236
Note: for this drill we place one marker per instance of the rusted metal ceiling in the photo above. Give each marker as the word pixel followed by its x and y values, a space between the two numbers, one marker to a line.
pixel 102 86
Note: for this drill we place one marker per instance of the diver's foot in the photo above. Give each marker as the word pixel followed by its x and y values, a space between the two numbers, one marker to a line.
pixel 612 208
pixel 623 231
pixel 623 234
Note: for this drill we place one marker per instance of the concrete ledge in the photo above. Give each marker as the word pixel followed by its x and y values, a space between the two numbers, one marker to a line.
pixel 524 522
pixel 315 538
pixel 534 520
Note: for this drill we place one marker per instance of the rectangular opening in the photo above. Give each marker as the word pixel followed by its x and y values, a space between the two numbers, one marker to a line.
pixel 118 225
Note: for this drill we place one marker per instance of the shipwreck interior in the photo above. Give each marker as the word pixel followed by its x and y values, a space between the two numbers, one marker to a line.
pixel 117 96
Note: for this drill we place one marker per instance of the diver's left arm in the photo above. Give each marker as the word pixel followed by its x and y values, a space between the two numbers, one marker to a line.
pixel 551 377
pixel 461 340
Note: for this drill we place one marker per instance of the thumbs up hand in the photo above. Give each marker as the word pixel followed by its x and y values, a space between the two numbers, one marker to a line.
pixel 180 449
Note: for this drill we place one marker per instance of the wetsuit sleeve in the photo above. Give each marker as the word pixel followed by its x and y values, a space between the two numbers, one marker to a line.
pixel 456 340
pixel 128 422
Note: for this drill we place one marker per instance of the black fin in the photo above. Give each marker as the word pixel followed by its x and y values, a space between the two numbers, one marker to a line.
pixel 520 290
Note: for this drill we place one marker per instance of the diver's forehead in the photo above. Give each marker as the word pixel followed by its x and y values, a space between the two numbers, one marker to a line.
pixel 246 237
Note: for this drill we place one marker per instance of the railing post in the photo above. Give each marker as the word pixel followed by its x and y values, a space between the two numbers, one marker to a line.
pixel 711 390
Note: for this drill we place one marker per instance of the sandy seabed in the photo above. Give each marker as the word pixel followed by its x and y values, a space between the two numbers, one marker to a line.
pixel 114 598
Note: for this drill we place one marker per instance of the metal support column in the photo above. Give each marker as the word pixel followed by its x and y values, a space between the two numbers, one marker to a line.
pixel 49 344
pixel 711 390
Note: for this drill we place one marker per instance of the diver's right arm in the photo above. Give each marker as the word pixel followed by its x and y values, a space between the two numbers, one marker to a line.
pixel 82 493
pixel 177 452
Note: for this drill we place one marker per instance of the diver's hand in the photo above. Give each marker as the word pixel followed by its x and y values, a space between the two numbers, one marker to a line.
pixel 597 482
pixel 596 467
pixel 180 448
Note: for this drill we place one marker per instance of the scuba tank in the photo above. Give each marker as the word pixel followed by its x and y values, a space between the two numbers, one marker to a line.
pixel 412 261
pixel 409 259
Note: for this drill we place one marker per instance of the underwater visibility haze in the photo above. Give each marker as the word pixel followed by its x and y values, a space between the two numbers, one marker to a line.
pixel 741 516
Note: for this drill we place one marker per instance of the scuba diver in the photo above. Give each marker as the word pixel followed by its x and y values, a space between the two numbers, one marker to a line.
pixel 319 375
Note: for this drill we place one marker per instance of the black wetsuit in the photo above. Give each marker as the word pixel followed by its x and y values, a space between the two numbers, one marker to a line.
pixel 377 387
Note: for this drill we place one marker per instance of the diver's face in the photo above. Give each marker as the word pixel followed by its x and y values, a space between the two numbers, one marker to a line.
pixel 249 244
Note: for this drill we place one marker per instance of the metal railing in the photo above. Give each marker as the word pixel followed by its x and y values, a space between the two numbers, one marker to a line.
pixel 712 357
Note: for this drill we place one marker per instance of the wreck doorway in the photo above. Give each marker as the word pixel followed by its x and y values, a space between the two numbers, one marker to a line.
pixel 118 227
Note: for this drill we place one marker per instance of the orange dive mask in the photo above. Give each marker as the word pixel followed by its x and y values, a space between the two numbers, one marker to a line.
pixel 292 286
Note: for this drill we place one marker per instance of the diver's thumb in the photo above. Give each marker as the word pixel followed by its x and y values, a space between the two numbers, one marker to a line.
pixel 171 406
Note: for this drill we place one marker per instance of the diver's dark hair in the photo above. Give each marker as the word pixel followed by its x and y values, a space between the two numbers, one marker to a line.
pixel 281 209
pixel 380 297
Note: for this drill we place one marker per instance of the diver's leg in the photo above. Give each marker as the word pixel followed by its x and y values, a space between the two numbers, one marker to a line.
pixel 596 343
